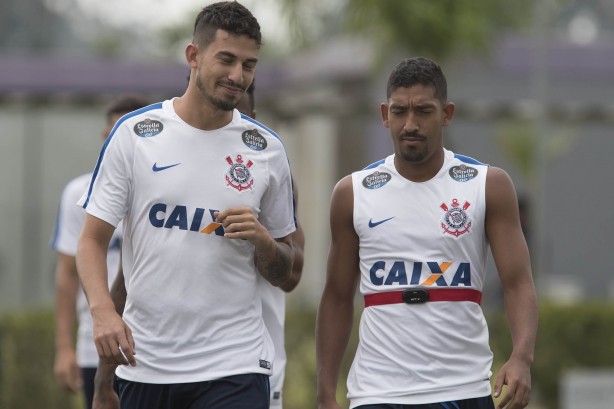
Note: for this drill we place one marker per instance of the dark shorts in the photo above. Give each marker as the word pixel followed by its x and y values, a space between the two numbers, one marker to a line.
pixel 250 391
pixel 88 374
pixel 476 403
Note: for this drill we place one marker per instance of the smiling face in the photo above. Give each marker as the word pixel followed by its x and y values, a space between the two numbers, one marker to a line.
pixel 223 70
pixel 416 118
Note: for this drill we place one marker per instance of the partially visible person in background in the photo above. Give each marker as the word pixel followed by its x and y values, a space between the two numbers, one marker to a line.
pixel 273 305
pixel 75 364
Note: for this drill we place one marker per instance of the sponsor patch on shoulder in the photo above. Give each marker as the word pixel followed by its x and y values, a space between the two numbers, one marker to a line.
pixel 253 140
pixel 265 364
pixel 148 128
pixel 376 180
pixel 463 173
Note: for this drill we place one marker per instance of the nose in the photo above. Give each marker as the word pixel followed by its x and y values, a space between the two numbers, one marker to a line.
pixel 236 74
pixel 411 124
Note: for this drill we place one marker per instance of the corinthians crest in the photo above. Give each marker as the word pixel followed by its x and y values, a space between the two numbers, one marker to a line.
pixel 456 220
pixel 238 175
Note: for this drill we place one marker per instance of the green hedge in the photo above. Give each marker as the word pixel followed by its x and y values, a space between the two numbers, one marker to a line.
pixel 569 337
pixel 579 336
pixel 26 364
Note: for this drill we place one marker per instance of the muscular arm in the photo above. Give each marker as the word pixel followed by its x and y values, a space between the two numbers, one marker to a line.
pixel 104 394
pixel 110 331
pixel 512 259
pixel 67 287
pixel 336 309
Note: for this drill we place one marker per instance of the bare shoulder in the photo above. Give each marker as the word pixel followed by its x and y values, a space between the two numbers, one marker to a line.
pixel 501 198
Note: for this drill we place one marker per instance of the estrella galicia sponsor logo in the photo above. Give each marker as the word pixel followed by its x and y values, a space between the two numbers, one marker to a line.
pixel 253 140
pixel 376 180
pixel 427 274
pixel 148 128
pixel 463 173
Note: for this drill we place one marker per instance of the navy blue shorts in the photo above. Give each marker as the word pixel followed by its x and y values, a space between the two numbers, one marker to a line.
pixel 476 403
pixel 88 374
pixel 250 391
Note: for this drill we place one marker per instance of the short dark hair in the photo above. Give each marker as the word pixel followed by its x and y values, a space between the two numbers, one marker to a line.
pixel 125 104
pixel 229 16
pixel 418 70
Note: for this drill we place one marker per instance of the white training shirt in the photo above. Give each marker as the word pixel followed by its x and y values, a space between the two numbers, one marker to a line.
pixel 193 302
pixel 65 240
pixel 428 234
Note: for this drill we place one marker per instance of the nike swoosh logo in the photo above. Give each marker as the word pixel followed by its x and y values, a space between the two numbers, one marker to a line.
pixel 157 168
pixel 373 224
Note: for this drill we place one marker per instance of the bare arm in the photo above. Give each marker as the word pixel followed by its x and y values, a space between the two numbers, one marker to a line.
pixel 104 394
pixel 65 368
pixel 298 249
pixel 110 331
pixel 273 256
pixel 512 259
pixel 336 311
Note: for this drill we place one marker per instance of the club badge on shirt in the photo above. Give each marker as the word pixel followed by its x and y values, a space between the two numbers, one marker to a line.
pixel 456 220
pixel 239 175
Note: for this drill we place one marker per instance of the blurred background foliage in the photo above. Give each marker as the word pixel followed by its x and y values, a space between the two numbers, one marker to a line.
pixel 26 354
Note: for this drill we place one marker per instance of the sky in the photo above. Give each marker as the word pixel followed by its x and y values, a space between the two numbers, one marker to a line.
pixel 157 14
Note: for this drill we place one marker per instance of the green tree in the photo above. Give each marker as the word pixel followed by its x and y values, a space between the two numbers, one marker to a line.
pixel 434 28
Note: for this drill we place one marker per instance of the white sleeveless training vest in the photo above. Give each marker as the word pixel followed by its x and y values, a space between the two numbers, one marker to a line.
pixel 429 234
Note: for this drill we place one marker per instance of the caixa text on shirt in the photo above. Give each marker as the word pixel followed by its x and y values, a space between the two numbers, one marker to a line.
pixel 429 273
pixel 198 220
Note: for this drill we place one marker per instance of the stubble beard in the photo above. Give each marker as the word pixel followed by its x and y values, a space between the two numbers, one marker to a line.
pixel 221 104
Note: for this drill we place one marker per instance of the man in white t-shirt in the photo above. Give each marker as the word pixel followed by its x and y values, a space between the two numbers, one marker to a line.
pixel 75 366
pixel 205 197
pixel 273 306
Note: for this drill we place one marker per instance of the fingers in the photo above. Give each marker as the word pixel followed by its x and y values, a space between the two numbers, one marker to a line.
pixel 117 348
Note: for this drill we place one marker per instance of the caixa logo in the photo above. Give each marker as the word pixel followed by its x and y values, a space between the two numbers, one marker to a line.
pixel 200 220
pixel 430 273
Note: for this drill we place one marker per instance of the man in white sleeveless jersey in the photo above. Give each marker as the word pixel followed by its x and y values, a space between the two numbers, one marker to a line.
pixel 273 306
pixel 413 232
pixel 75 365
pixel 205 196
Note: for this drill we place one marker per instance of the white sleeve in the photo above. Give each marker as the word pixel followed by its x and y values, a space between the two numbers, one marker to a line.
pixel 109 190
pixel 277 205
pixel 69 219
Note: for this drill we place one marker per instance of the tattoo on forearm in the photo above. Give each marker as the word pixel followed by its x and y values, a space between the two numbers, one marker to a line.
pixel 276 269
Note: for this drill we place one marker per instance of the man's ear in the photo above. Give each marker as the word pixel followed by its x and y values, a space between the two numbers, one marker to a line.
pixel 191 55
pixel 448 113
pixel 384 111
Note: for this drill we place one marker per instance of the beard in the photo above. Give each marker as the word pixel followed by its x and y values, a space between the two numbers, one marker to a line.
pixel 219 103
pixel 415 154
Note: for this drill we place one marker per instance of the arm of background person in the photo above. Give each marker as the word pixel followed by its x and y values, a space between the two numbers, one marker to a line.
pixel 66 369
pixel 110 331
pixel 298 249
pixel 336 311
pixel 105 396
pixel 512 259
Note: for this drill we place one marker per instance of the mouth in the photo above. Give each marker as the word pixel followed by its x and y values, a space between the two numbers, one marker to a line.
pixel 232 89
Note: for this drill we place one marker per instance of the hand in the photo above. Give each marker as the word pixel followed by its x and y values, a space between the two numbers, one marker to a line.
pixel 329 405
pixel 66 370
pixel 517 376
pixel 241 223
pixel 113 338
